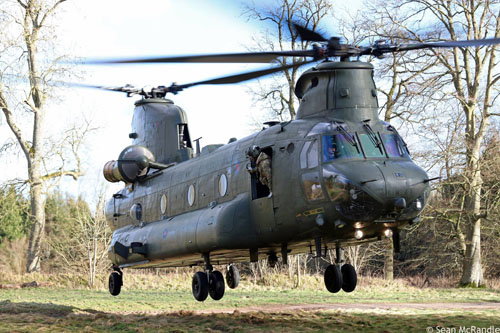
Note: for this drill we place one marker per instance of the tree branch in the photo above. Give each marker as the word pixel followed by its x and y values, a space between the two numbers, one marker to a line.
pixel 10 121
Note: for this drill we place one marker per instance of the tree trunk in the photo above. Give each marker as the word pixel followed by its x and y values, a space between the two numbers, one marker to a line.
pixel 291 103
pixel 37 228
pixel 389 253
pixel 472 273
pixel 298 271
pixel 37 196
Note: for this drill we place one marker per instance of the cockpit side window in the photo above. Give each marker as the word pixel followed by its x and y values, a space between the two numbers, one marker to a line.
pixel 312 186
pixel 312 155
pixel 303 155
pixel 338 146
pixel 394 145
pixel 309 155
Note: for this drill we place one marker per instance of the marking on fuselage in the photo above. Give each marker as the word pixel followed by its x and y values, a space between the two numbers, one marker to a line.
pixel 165 233
pixel 237 167
pixel 311 212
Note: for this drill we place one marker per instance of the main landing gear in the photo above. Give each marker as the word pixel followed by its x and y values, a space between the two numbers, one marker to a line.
pixel 340 276
pixel 232 276
pixel 212 283
pixel 205 283
pixel 115 281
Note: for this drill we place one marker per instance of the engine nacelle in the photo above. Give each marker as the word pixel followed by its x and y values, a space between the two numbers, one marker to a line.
pixel 132 164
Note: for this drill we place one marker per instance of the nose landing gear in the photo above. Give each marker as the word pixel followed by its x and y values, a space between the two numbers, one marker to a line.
pixel 340 276
pixel 349 278
pixel 333 279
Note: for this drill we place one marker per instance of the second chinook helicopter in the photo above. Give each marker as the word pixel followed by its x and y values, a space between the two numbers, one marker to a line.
pixel 335 176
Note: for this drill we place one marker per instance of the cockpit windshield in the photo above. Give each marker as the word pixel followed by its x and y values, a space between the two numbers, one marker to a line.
pixel 339 146
pixel 372 148
pixel 345 145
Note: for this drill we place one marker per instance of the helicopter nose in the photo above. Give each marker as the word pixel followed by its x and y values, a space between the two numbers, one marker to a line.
pixel 367 190
pixel 404 183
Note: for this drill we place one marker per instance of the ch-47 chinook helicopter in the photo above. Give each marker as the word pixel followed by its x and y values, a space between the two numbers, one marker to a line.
pixel 340 176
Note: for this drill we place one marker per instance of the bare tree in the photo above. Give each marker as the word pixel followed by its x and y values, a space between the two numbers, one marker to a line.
pixel 470 75
pixel 279 96
pixel 94 239
pixel 28 35
pixel 81 245
pixel 357 255
pixel 439 245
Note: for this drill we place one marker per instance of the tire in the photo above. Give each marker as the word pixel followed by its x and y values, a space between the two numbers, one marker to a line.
pixel 200 286
pixel 272 260
pixel 333 279
pixel 232 277
pixel 216 285
pixel 115 283
pixel 349 278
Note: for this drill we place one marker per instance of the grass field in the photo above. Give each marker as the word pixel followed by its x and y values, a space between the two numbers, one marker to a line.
pixel 251 307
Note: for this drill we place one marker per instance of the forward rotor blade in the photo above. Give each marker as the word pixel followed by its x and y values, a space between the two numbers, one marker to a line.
pixel 418 46
pixel 308 35
pixel 240 77
pixel 247 57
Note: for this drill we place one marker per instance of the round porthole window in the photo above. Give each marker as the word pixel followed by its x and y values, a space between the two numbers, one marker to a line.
pixel 136 212
pixel 222 185
pixel 163 204
pixel 191 195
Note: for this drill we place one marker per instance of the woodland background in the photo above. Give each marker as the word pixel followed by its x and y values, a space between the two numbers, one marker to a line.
pixel 443 101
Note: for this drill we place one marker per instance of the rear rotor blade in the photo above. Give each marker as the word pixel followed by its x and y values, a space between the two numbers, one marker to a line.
pixel 175 88
pixel 246 57
pixel 241 77
pixel 126 88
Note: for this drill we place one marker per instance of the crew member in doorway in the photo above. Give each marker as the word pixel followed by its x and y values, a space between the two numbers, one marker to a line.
pixel 262 166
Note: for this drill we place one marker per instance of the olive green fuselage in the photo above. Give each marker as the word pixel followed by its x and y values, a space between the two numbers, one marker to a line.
pixel 323 187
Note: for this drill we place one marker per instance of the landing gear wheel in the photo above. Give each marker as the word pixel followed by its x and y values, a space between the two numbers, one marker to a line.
pixel 232 277
pixel 115 283
pixel 349 278
pixel 272 259
pixel 333 279
pixel 200 286
pixel 216 285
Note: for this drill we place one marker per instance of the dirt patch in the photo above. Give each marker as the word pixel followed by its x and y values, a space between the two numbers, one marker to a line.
pixel 336 317
pixel 32 284
pixel 360 306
